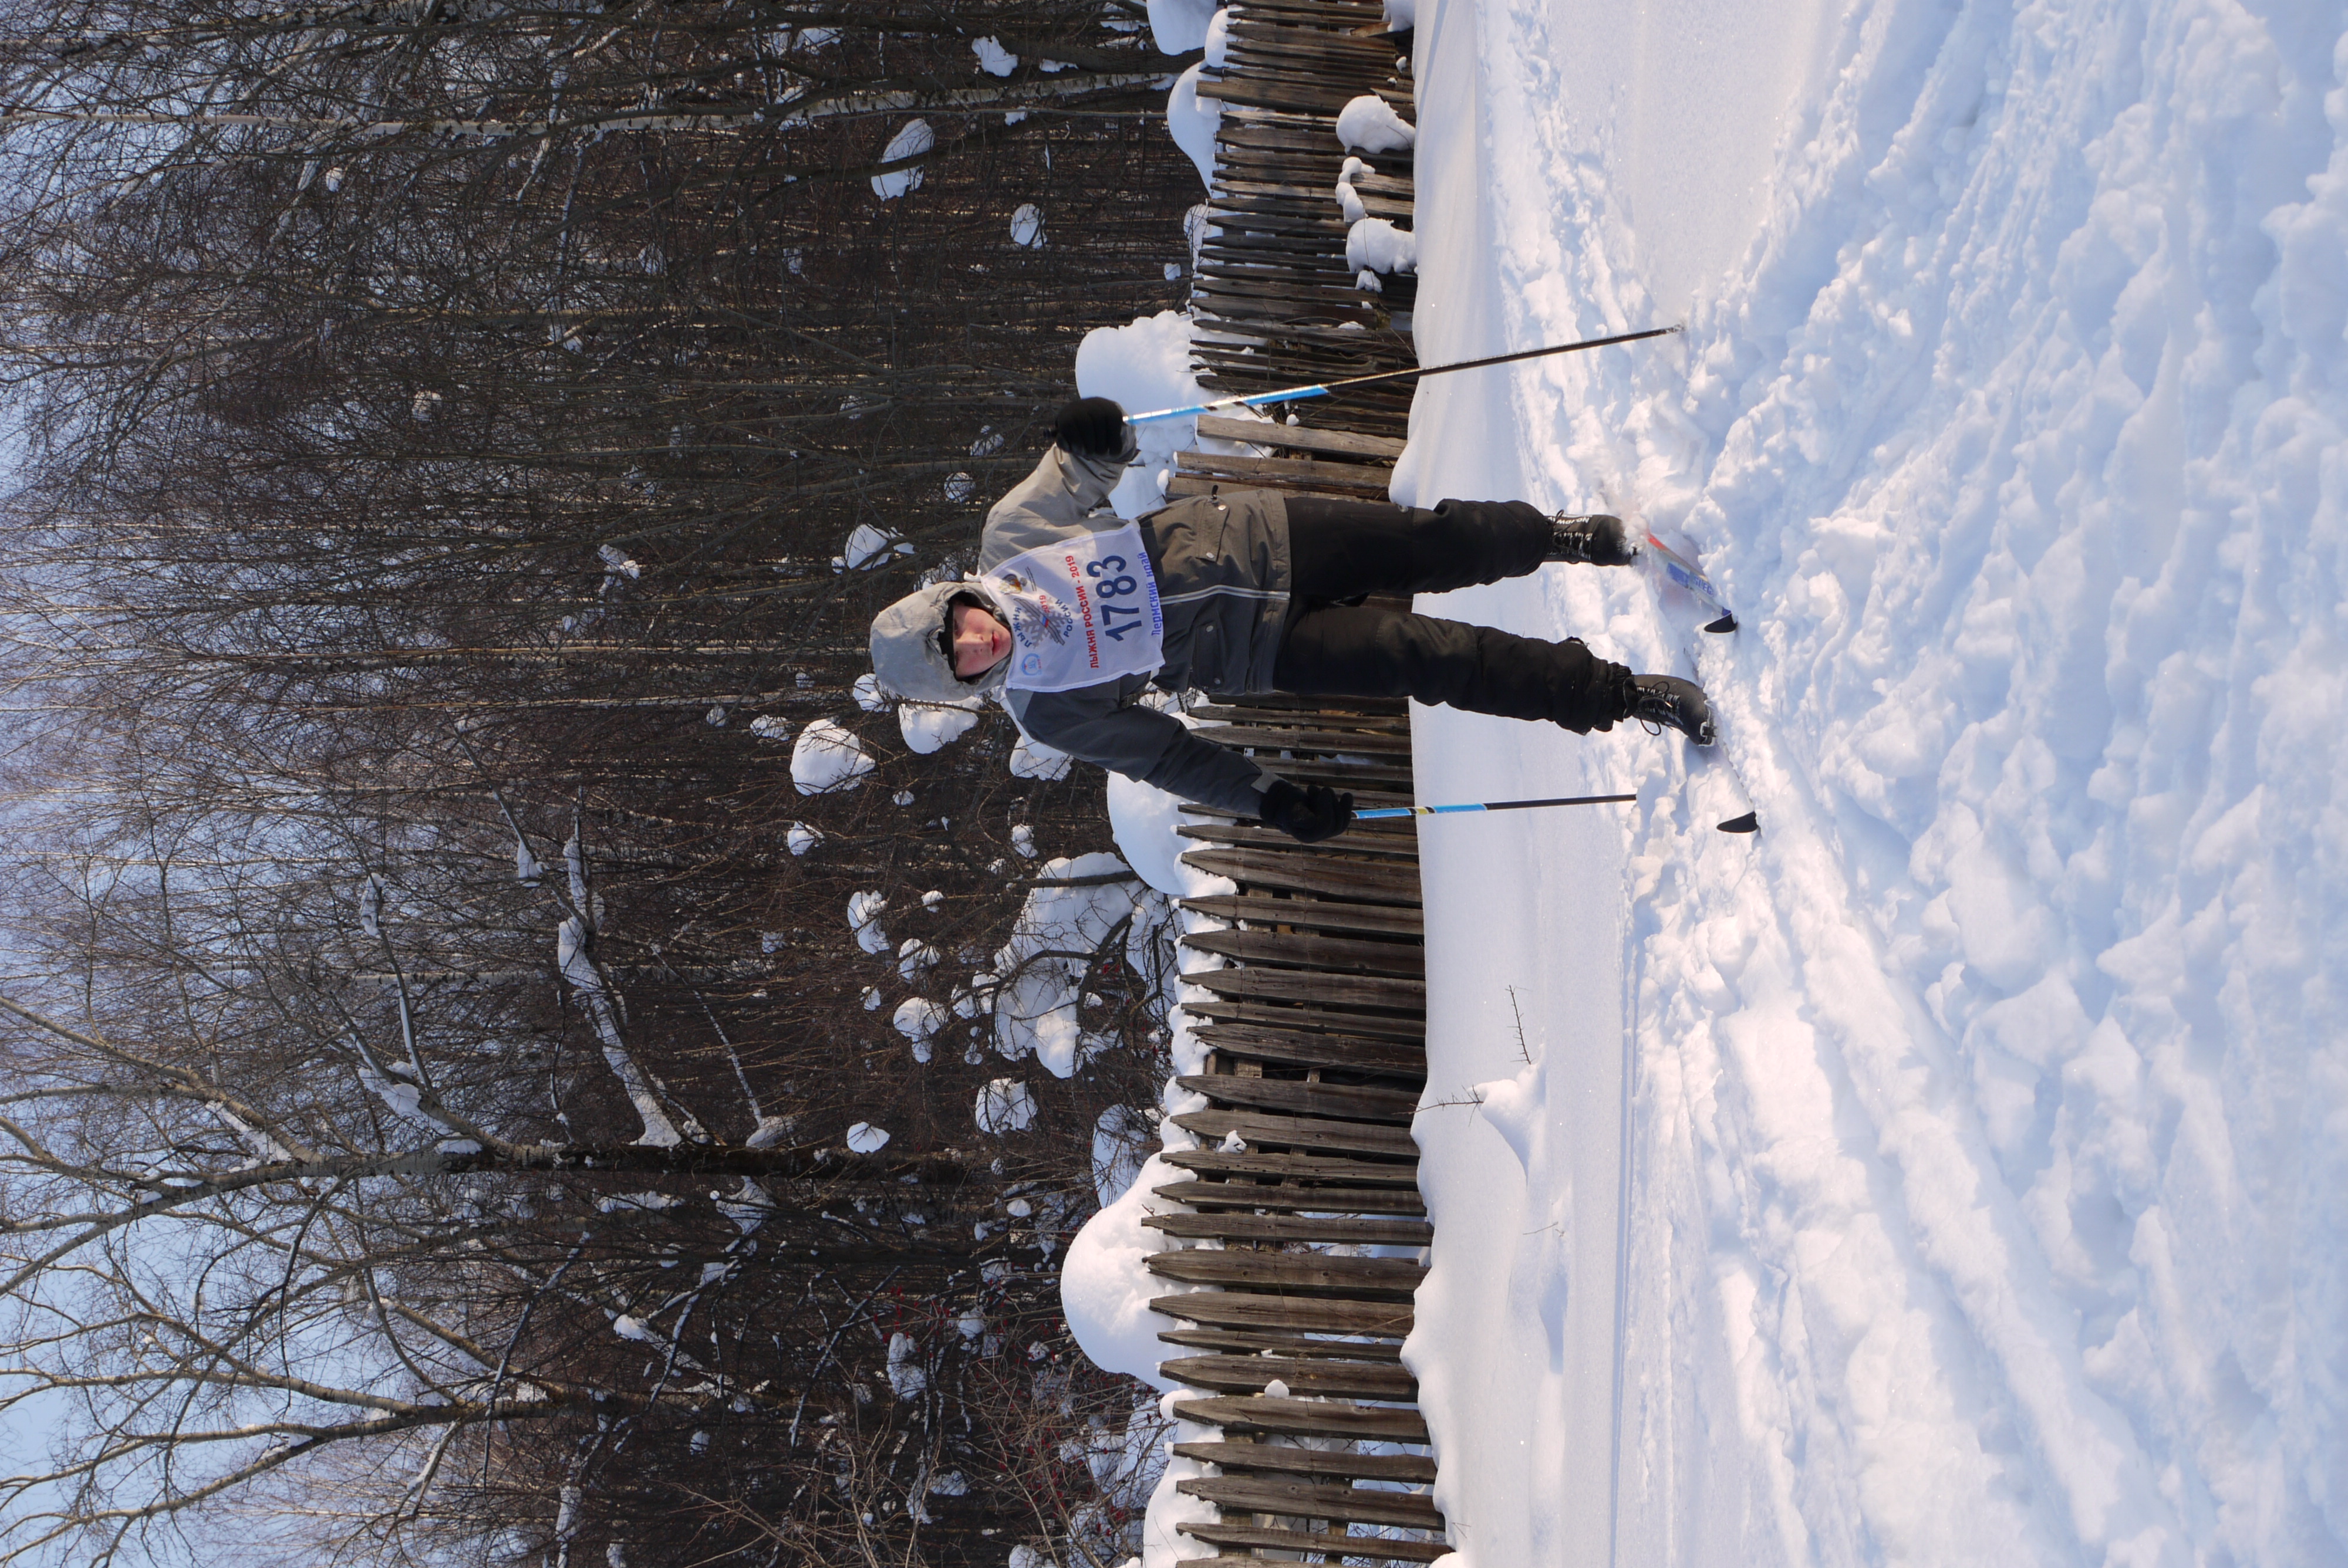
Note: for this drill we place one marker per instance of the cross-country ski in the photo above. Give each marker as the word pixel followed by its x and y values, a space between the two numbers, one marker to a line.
pixel 1683 573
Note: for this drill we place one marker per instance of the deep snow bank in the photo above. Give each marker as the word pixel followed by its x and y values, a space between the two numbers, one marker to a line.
pixel 1981 1185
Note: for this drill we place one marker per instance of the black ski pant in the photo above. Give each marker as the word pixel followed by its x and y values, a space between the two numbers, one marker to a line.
pixel 1340 550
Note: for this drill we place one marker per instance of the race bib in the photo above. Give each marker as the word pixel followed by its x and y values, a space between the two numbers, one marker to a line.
pixel 1081 612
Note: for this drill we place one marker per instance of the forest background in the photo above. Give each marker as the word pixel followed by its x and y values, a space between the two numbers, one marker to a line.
pixel 433 1023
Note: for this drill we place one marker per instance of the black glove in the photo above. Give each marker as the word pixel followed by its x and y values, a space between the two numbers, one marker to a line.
pixel 1090 427
pixel 1308 815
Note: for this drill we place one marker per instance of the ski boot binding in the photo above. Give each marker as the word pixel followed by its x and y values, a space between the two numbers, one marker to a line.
pixel 1598 539
pixel 1666 702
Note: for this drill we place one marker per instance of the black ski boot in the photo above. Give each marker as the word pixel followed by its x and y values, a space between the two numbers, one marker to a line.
pixel 1595 540
pixel 1666 702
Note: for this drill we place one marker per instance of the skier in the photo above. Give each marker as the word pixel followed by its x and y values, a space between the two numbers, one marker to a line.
pixel 1074 610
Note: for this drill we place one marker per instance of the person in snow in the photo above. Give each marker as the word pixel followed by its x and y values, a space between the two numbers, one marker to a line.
pixel 1074 610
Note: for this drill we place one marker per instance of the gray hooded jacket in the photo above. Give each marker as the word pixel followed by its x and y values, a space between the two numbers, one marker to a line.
pixel 1223 568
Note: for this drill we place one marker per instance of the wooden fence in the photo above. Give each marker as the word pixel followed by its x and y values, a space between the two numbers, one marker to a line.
pixel 1301 1248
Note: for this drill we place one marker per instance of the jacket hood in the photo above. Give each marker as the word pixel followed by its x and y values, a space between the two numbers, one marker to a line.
pixel 906 658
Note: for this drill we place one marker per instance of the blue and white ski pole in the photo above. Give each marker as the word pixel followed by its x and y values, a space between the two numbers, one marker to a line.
pixel 1748 823
pixel 1324 389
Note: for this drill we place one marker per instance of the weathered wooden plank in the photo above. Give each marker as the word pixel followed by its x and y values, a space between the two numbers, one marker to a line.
pixel 1311 914
pixel 1280 1228
pixel 1364 797
pixel 1310 261
pixel 1283 314
pixel 1412 1469
pixel 1385 993
pixel 1222 1309
pixel 1385 1026
pixel 1306 1417
pixel 1331 352
pixel 1378 838
pixel 1328 724
pixel 1332 1170
pixel 1299 1500
pixel 1257 1129
pixel 1294 96
pixel 1350 1102
pixel 1253 1374
pixel 1300 1047
pixel 1212 1196
pixel 1242 1342
pixel 1407 958
pixel 1279 297
pixel 1219 427
pixel 1374 202
pixel 1308 302
pixel 1387 774
pixel 1356 776
pixel 1293 1273
pixel 1368 1548
pixel 1368 839
pixel 1371 883
pixel 1285 34
pixel 1335 707
pixel 1186 484
pixel 1300 738
pixel 1284 354
pixel 1325 1168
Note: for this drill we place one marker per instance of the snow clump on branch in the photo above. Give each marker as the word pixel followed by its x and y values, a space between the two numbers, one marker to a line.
pixel 864 920
pixel 1006 1105
pixel 828 756
pixel 913 141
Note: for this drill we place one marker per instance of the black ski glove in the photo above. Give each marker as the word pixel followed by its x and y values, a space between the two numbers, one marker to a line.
pixel 1308 815
pixel 1090 427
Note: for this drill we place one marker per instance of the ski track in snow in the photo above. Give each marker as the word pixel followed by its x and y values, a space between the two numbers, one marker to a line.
pixel 1987 1144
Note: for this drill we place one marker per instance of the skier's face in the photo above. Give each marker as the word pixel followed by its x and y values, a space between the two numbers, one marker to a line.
pixel 980 641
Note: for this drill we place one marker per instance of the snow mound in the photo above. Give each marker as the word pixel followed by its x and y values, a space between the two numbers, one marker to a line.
pixel 1179 26
pixel 1144 817
pixel 1369 124
pixel 1375 245
pixel 1144 365
pixel 829 756
pixel 1192 121
pixel 1219 41
pixel 1105 1285
pixel 1987 1188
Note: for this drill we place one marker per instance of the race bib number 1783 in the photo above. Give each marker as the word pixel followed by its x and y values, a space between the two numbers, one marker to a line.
pixel 1081 612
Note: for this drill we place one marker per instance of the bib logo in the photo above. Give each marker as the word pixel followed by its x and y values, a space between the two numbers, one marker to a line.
pixel 1029 665
pixel 1039 619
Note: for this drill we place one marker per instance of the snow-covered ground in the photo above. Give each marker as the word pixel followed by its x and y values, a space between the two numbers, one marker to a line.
pixel 1958 1171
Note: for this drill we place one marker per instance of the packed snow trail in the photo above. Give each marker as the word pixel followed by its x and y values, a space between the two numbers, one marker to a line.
pixel 1958 1170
